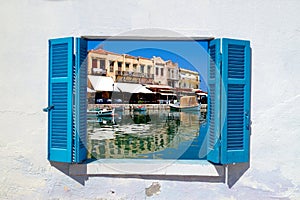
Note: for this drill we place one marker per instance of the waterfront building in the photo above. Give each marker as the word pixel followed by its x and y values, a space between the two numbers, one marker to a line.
pixel 160 77
pixel 165 78
pixel 172 74
pixel 188 79
pixel 120 67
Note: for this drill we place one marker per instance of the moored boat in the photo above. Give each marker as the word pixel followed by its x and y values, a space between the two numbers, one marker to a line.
pixel 108 121
pixel 187 103
pixel 105 112
pixel 139 108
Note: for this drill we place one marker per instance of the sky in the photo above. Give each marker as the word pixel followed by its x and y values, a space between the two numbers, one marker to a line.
pixel 190 55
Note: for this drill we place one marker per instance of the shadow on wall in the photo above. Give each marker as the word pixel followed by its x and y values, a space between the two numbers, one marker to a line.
pixel 65 168
pixel 234 172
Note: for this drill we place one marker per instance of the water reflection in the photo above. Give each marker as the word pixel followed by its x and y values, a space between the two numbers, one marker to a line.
pixel 141 117
pixel 144 134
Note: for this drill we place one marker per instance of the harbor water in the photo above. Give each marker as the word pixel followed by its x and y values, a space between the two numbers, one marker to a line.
pixel 151 134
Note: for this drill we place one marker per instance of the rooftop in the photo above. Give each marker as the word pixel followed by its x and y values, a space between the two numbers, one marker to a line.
pixel 157 59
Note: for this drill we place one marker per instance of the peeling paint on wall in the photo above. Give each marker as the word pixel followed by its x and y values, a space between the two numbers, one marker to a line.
pixel 154 188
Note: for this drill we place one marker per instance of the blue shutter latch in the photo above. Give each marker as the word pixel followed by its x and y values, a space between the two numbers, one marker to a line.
pixel 48 108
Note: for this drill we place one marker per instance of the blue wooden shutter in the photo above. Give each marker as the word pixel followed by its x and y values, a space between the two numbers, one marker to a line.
pixel 213 115
pixel 235 112
pixel 60 99
pixel 80 106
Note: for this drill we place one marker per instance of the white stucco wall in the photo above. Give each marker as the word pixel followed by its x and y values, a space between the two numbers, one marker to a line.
pixel 272 26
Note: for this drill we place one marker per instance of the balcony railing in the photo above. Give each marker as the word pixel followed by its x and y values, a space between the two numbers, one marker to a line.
pixel 169 77
pixel 173 79
pixel 97 71
pixel 134 74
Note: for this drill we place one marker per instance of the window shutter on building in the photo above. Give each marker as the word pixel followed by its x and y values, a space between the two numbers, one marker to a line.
pixel 80 120
pixel 213 116
pixel 229 101
pixel 60 99
pixel 67 101
pixel 236 76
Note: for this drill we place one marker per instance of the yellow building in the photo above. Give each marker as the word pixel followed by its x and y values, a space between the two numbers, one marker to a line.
pixel 188 79
pixel 120 67
pixel 131 69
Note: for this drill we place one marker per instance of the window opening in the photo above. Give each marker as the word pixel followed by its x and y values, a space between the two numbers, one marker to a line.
pixel 132 119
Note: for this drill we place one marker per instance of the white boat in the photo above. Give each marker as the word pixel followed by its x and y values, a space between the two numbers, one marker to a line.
pixel 187 103
pixel 139 108
pixel 106 112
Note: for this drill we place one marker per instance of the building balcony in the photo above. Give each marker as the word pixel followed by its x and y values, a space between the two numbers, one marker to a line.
pixel 97 71
pixel 189 81
pixel 134 74
pixel 173 79
pixel 133 77
pixel 149 76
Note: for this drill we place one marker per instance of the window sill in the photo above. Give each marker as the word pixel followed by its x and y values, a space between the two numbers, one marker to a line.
pixel 197 168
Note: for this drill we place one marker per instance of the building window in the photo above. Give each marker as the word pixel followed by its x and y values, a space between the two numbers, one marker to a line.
pixel 127 66
pixel 94 63
pixel 102 64
pixel 134 67
pixel 156 71
pixel 142 67
pixel 162 71
pixel 149 69
pixel 120 66
pixel 111 66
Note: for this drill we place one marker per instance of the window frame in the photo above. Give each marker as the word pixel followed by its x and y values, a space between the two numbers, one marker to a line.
pixel 134 67
pixel 147 38
pixel 104 63
pixel 111 65
pixel 94 63
pixel 142 68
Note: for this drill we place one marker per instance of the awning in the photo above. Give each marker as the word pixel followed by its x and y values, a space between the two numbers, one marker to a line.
pixel 201 93
pixel 142 89
pixel 102 83
pixel 168 94
pixel 159 86
pixel 165 91
pixel 89 90
pixel 132 88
